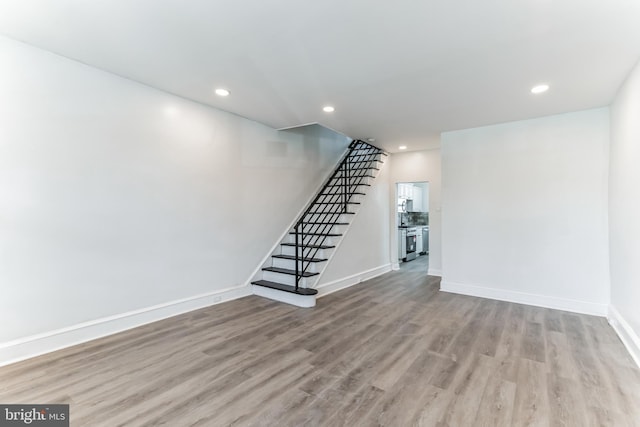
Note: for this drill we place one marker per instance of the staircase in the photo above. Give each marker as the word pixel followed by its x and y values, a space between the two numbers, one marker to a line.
pixel 303 254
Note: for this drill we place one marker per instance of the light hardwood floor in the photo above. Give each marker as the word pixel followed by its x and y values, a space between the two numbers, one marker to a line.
pixel 392 351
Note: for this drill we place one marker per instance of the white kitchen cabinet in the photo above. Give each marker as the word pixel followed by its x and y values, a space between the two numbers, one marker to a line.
pixel 402 243
pixel 417 192
pixel 416 195
pixel 405 191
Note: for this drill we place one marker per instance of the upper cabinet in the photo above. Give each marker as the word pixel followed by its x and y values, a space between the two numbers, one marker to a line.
pixel 417 198
pixel 409 191
pixel 417 193
pixel 405 191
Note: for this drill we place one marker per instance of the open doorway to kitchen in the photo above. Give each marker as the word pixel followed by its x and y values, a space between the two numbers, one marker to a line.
pixel 412 223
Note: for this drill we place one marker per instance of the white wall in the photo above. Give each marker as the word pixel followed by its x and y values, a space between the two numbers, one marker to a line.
pixel 624 212
pixel 525 211
pixel 364 250
pixel 116 197
pixel 418 166
pixel 424 187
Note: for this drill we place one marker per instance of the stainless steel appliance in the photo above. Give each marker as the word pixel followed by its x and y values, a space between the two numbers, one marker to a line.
pixel 411 244
pixel 408 205
pixel 425 240
pixel 405 205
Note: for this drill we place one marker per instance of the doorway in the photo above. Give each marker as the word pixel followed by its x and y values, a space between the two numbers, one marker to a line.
pixel 412 224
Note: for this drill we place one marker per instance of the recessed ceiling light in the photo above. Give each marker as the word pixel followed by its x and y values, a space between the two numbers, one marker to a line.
pixel 540 88
pixel 402 147
pixel 371 139
pixel 328 109
pixel 222 92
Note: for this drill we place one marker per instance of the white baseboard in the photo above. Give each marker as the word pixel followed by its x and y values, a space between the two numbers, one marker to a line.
pixel 546 301
pixel 395 266
pixel 304 301
pixel 434 272
pixel 627 335
pixel 336 285
pixel 36 345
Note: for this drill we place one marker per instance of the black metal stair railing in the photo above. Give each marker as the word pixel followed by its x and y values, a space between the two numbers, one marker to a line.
pixel 331 202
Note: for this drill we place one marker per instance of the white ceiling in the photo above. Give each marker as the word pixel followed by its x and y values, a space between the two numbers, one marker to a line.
pixel 400 71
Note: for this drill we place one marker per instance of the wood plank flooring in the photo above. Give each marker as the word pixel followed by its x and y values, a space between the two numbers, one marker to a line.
pixel 393 351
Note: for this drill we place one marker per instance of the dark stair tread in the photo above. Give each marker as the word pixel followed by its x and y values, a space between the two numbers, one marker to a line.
pixel 368 153
pixel 290 272
pixel 325 223
pixel 362 161
pixel 340 194
pixel 352 180
pixel 309 246
pixel 352 155
pixel 336 203
pixel 355 176
pixel 361 169
pixel 293 258
pixel 285 288
pixel 318 234
pixel 350 185
pixel 330 213
pixel 331 198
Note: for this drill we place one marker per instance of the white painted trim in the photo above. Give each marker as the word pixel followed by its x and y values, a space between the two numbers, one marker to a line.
pixel 626 333
pixel 395 266
pixel 304 301
pixel 546 301
pixel 294 127
pixel 47 342
pixel 434 272
pixel 299 126
pixel 336 285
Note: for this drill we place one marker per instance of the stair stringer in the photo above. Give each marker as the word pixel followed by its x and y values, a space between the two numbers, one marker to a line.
pixel 309 300
pixel 274 249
